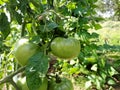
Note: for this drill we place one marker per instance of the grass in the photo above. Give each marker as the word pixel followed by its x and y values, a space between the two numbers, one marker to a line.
pixel 79 83
pixel 110 32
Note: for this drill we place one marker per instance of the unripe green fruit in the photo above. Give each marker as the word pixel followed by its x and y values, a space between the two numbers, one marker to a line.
pixel 24 50
pixel 66 48
pixel 22 84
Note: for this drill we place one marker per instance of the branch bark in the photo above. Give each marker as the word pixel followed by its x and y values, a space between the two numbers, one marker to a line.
pixel 9 77
pixel 14 84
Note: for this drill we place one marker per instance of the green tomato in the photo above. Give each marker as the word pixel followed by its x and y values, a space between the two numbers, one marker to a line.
pixel 22 84
pixel 44 85
pixel 24 50
pixel 65 84
pixel 66 48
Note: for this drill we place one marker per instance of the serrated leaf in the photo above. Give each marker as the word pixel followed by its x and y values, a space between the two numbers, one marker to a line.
pixel 4 25
pixel 52 25
pixel 36 70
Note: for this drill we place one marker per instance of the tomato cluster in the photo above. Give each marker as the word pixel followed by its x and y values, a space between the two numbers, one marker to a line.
pixel 66 48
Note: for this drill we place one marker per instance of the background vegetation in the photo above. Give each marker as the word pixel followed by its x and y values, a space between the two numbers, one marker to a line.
pixel 98 63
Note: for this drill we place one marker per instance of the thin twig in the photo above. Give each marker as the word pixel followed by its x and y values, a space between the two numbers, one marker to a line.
pixel 23 28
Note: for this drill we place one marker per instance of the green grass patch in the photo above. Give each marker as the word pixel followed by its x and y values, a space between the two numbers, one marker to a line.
pixel 109 33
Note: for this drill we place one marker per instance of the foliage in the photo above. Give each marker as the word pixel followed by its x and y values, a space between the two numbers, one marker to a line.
pixel 36 70
pixel 41 22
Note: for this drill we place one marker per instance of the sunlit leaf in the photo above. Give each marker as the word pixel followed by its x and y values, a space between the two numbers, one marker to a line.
pixel 88 84
pixel 71 5
pixel 111 81
pixel 36 70
pixel 94 67
pixel 52 25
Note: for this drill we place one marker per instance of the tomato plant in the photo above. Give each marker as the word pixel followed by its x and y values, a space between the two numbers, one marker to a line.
pixel 66 48
pixel 64 84
pixel 23 50
pixel 47 23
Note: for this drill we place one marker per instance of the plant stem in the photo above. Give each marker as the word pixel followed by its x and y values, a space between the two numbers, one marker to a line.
pixel 58 79
pixel 14 84
pixel 23 28
pixel 9 77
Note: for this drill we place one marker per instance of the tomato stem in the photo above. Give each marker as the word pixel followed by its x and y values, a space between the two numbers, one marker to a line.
pixel 23 28
pixel 9 77
pixel 58 79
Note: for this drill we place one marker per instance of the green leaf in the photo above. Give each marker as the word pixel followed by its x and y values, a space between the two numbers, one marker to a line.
pixel 1 2
pixel 71 5
pixel 36 70
pixel 102 63
pixel 94 35
pixel 52 25
pixel 112 71
pixel 18 17
pixel 94 67
pixel 73 70
pixel 111 81
pixel 97 26
pixel 44 1
pixel 23 5
pixel 88 84
pixel 4 25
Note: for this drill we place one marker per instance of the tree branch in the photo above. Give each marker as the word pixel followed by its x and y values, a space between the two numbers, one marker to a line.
pixel 14 85
pixel 9 77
